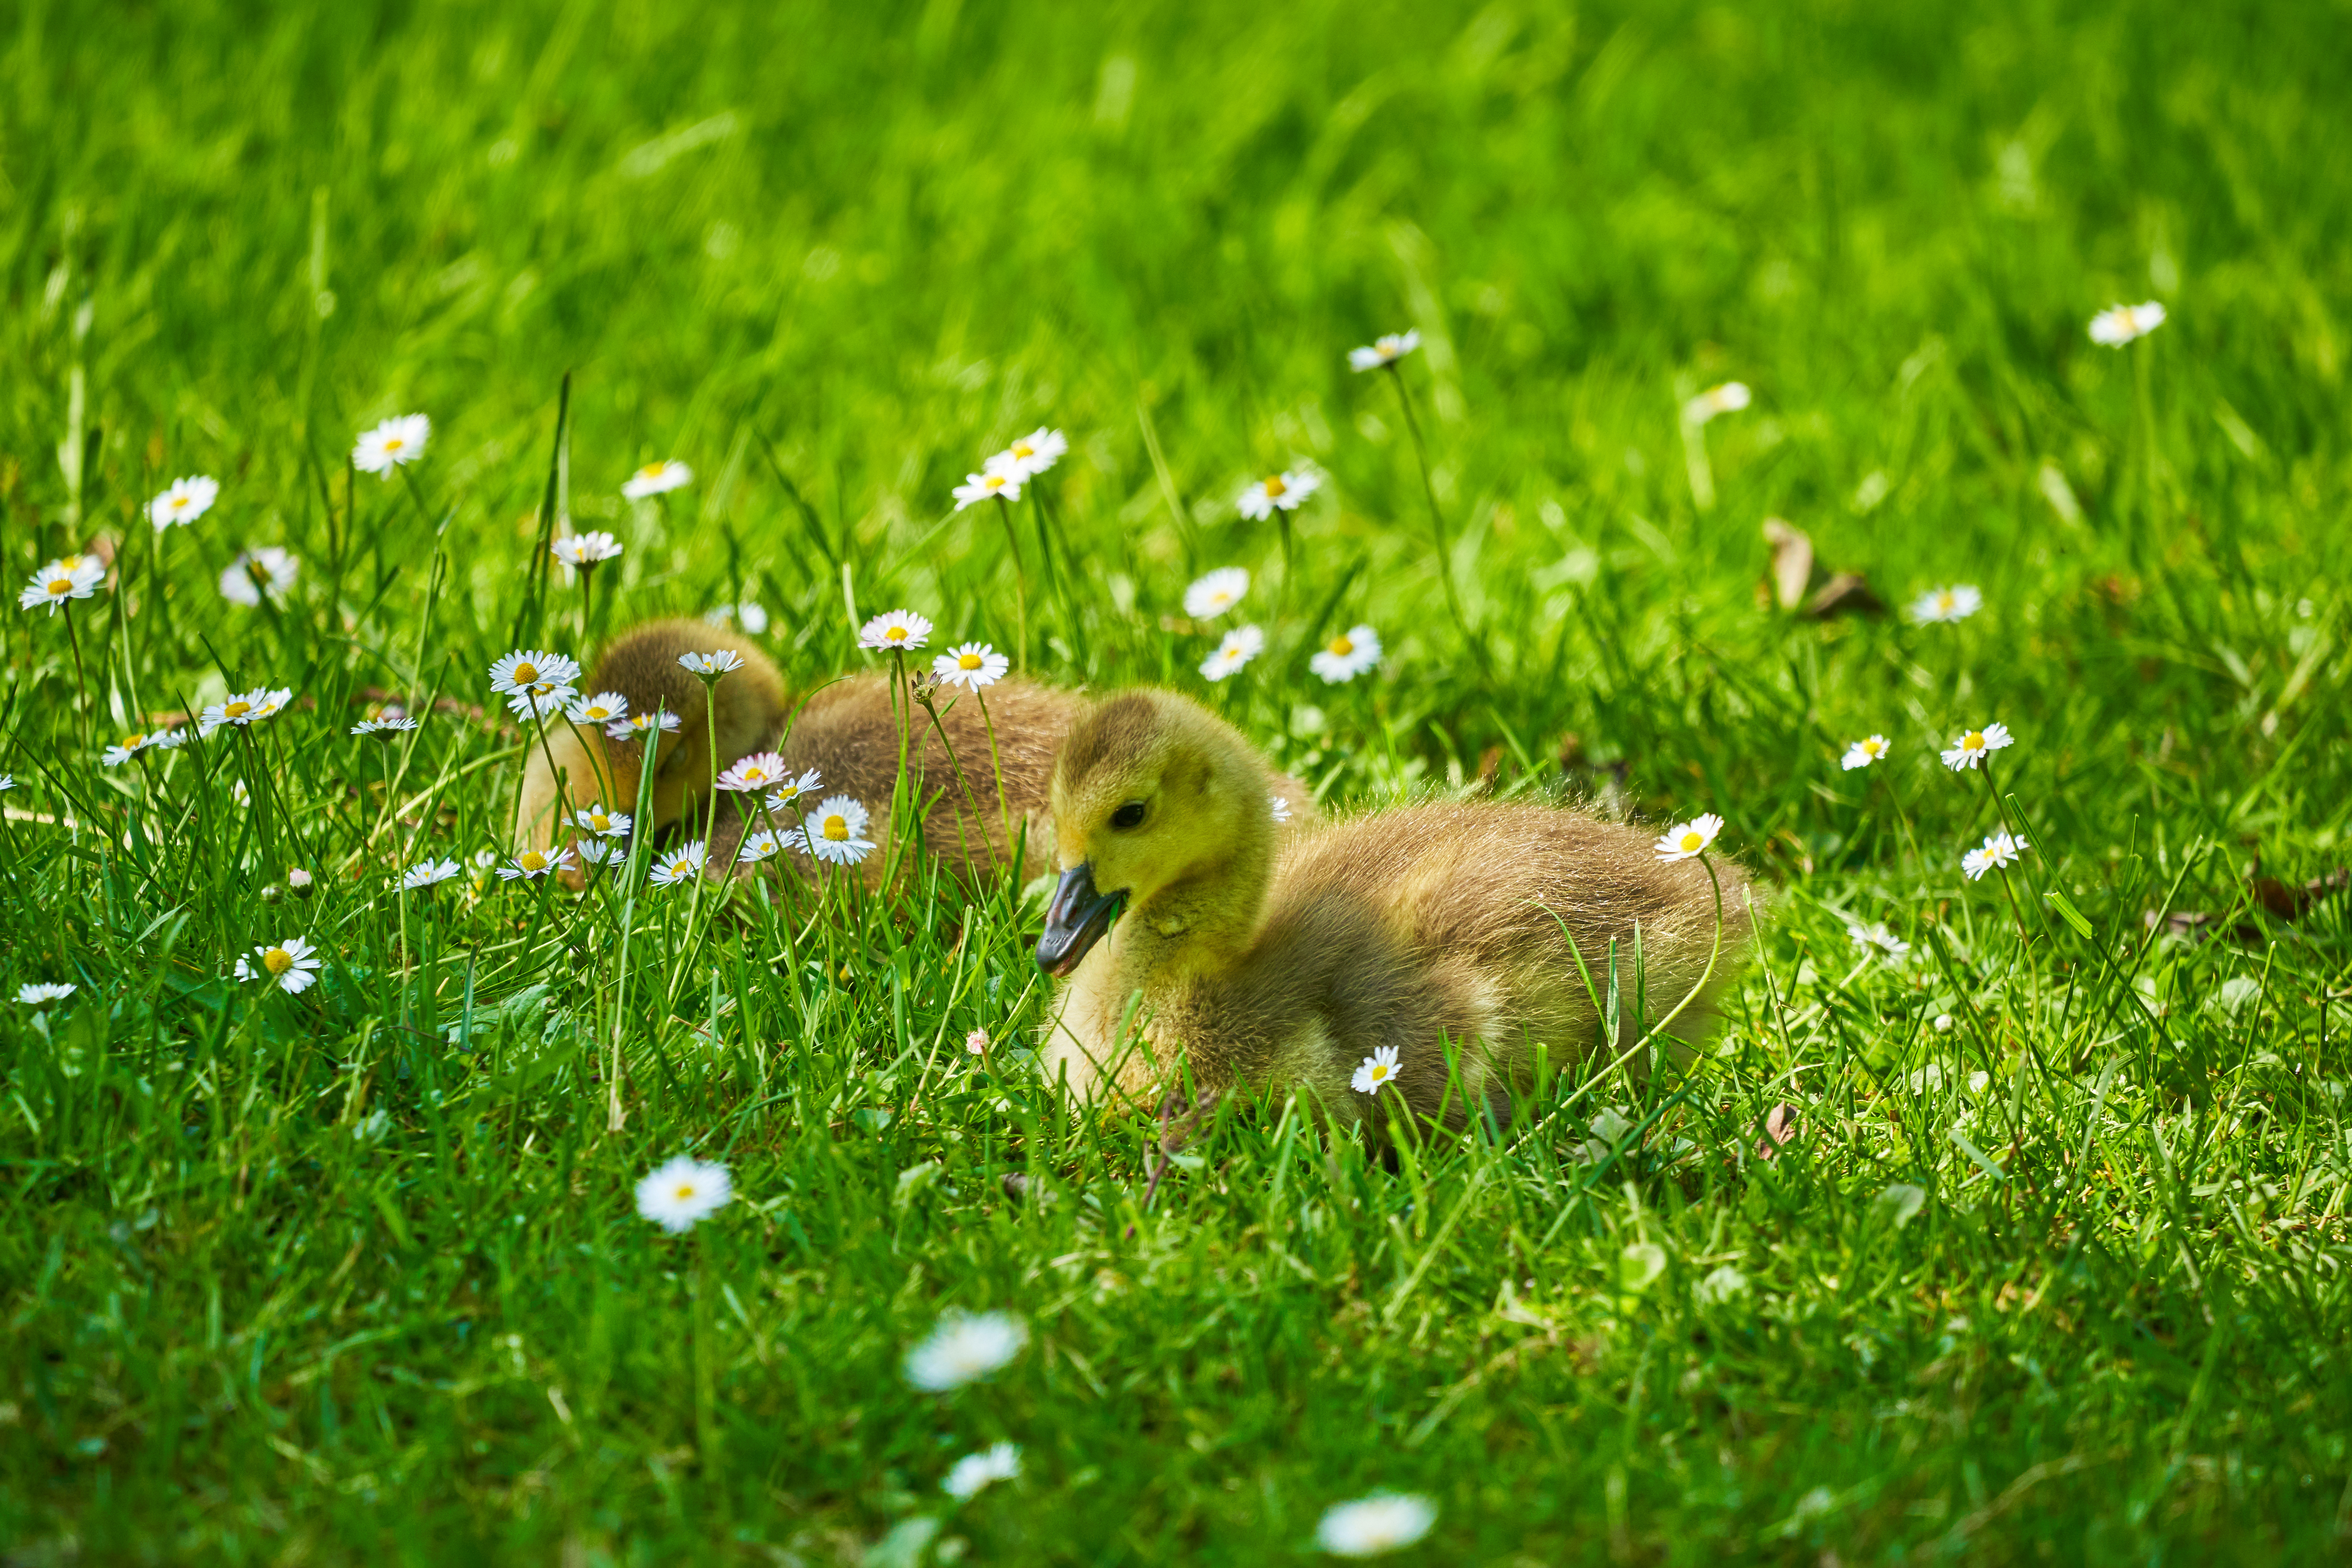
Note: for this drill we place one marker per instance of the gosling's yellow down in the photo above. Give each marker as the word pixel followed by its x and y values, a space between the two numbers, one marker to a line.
pixel 1285 960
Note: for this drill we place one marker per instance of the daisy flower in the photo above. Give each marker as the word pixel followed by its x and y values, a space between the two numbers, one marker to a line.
pixel 36 995
pixel 682 1193
pixel 972 666
pixel 1864 752
pixel 7 783
pixel 1001 1462
pixel 605 708
pixel 544 701
pixel 711 666
pixel 392 724
pixel 585 550
pixel 292 966
pixel 1242 644
pixel 1974 746
pixel 245 708
pixel 1729 398
pixel 1374 1070
pixel 392 445
pixel 1346 656
pixel 185 501
pixel 1383 352
pixel 268 569
pixel 2119 324
pixel 637 726
pixel 597 851
pixel 134 744
pixel 1030 455
pixel 758 846
pixel 1998 852
pixel 657 478
pixel 790 792
pixel 533 863
pixel 1685 840
pixel 981 486
pixel 604 824
pixel 1281 807
pixel 683 864
pixel 896 631
pixel 835 831
pixel 71 577
pixel 964 1348
pixel 761 769
pixel 1876 936
pixel 531 667
pixel 1385 1521
pixel 1284 492
pixel 1957 603
pixel 1215 594
pixel 428 873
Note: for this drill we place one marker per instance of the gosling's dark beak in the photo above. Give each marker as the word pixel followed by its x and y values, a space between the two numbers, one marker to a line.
pixel 1076 920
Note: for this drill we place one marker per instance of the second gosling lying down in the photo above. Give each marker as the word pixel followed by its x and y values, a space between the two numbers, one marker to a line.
pixel 1274 963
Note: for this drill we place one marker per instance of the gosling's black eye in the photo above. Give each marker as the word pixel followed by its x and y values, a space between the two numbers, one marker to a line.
pixel 1128 816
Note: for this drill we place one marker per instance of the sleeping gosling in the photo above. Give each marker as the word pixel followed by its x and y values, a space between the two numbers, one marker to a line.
pixel 1280 962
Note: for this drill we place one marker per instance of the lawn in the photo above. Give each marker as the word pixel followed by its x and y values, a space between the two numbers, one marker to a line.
pixel 2025 1243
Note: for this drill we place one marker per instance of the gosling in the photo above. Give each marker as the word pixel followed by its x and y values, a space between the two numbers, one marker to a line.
pixel 1288 960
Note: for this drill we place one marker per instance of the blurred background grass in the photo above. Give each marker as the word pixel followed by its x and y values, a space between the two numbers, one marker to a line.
pixel 841 254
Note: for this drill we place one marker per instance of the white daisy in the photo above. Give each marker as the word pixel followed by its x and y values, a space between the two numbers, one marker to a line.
pixel 1242 644
pixel 1999 851
pixel 7 783
pixel 1385 1521
pixel 1385 351
pixel 1215 594
pixel 1864 752
pixel 69 577
pixel 789 794
pixel 1875 935
pixel 392 445
pixel 243 708
pixel 597 851
pixel 531 667
pixel 1374 1070
pixel 1346 656
pixel 36 996
pixel 145 740
pixel 683 864
pixel 762 770
pixel 292 966
pixel 1684 840
pixel 2119 324
pixel 268 569
pixel 637 726
pixel 1974 746
pixel 964 1348
pixel 723 661
pixel 392 724
pixel 604 824
pixel 544 701
pixel 1729 398
pixel 1030 455
pixel 533 863
pixel 896 631
pixel 835 831
pixel 185 501
pixel 1957 603
pixel 584 549
pixel 1001 1462
pixel 1281 807
pixel 606 708
pixel 974 666
pixel 684 1192
pixel 428 873
pixel 655 478
pixel 992 483
pixel 1284 492
pixel 758 846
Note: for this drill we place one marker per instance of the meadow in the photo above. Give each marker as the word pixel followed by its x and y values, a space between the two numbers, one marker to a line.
pixel 2004 1221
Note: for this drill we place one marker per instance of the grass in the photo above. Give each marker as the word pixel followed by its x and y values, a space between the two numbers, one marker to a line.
pixel 356 1275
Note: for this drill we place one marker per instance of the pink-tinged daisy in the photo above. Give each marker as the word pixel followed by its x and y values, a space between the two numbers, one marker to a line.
pixel 750 775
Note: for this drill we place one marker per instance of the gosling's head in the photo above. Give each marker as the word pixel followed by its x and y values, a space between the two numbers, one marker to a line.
pixel 1149 790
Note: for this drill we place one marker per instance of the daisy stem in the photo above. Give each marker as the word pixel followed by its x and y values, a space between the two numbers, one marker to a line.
pixel 956 764
pixel 1020 583
pixel 2145 399
pixel 1053 571
pixel 563 782
pixel 614 1116
pixel 587 580
pixel 996 766
pixel 81 676
pixel 710 727
pixel 1436 522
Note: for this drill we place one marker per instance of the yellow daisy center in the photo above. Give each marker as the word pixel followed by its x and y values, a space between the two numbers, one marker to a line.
pixel 969 661
pixel 394 444
pixel 278 960
pixel 532 860
pixel 1692 841
pixel 179 501
pixel 837 828
pixel 1380 1072
pixel 1973 741
pixel 599 821
pixel 235 710
pixel 1023 449
pixel 1945 601
pixel 685 1192
pixel 1274 487
pixel 1342 646
pixel 524 674
pixel 995 481
pixel 897 633
pixel 61 586
pixel 650 471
